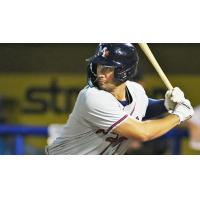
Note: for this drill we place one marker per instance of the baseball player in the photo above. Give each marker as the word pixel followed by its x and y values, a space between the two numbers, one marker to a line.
pixel 111 110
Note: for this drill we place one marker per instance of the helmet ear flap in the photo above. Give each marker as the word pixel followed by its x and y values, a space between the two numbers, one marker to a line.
pixel 123 74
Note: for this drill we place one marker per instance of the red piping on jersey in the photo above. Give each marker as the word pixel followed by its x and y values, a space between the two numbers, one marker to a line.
pixel 115 124
pixel 133 109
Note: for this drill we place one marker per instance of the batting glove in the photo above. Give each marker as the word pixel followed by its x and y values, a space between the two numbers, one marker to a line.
pixel 183 110
pixel 172 97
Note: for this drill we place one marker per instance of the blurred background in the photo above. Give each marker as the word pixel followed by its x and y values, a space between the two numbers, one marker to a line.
pixel 39 84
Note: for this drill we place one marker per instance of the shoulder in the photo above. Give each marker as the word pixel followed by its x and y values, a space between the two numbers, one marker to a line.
pixel 93 97
pixel 136 87
pixel 93 92
pixel 137 91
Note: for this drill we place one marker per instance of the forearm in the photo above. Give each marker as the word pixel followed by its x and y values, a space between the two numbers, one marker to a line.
pixel 151 129
pixel 157 128
pixel 147 130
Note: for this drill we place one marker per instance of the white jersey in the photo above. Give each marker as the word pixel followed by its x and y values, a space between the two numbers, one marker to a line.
pixel 96 113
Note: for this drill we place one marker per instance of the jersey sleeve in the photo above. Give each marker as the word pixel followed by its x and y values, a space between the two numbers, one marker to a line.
pixel 155 108
pixel 103 111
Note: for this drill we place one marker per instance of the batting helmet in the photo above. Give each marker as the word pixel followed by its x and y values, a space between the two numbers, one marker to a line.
pixel 122 56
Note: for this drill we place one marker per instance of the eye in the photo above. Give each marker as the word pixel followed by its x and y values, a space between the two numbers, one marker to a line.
pixel 107 69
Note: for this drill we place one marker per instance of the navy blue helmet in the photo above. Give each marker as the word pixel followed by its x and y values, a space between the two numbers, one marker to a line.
pixel 122 56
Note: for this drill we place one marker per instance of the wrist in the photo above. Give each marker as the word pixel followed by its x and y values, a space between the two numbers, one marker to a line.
pixel 178 115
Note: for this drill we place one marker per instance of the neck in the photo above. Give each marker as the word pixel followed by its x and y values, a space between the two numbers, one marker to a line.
pixel 120 92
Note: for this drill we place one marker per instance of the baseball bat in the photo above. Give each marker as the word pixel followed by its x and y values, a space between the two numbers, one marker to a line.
pixel 155 64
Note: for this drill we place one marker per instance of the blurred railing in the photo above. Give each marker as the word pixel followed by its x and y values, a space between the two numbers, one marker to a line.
pixel 20 131
pixel 176 136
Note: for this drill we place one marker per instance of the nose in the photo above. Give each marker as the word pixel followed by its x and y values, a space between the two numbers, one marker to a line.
pixel 100 76
pixel 100 73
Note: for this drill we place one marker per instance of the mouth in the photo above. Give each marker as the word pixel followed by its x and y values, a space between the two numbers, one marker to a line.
pixel 101 84
pixel 101 81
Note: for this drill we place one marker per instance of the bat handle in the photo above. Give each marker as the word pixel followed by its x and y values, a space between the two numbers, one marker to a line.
pixel 164 79
pixel 155 64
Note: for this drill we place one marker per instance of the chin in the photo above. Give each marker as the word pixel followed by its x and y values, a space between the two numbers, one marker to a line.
pixel 102 87
pixel 105 88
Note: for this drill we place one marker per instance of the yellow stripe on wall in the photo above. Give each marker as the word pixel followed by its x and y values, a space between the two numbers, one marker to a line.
pixel 15 86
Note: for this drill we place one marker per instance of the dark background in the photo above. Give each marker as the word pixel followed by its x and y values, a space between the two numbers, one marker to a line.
pixel 70 58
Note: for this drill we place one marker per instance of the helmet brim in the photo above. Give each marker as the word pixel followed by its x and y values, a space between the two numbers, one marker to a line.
pixel 103 61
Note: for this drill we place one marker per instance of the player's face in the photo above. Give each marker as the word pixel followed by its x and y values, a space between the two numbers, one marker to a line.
pixel 105 78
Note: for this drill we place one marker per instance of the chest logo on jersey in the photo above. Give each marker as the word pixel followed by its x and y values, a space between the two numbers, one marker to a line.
pixel 115 140
pixel 101 131
pixel 112 138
